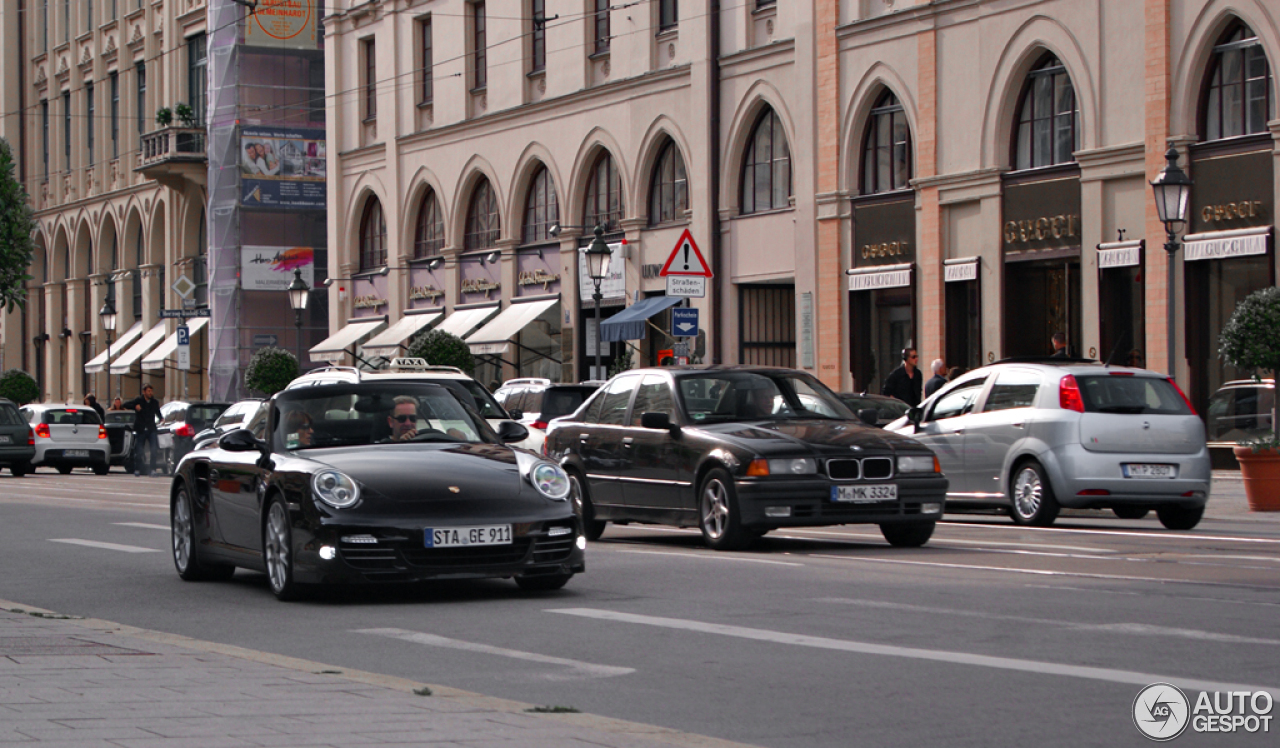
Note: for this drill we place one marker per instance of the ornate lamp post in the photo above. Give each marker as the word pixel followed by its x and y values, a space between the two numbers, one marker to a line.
pixel 109 317
pixel 598 256
pixel 1172 188
pixel 299 294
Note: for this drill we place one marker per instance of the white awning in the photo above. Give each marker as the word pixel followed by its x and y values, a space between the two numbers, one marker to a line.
pixel 125 361
pixel 156 358
pixel 879 276
pixel 496 336
pixel 387 343
pixel 1221 245
pixel 334 347
pixel 99 362
pixel 464 321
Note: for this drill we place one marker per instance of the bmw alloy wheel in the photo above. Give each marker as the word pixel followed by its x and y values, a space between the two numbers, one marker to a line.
pixel 715 509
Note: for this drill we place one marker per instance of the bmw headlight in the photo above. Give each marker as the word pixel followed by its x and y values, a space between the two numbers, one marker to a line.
pixel 918 464
pixel 335 488
pixel 548 478
pixel 793 466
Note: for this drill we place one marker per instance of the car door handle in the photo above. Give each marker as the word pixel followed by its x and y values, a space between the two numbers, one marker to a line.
pixel 584 437
pixel 1018 425
pixel 958 431
pixel 626 441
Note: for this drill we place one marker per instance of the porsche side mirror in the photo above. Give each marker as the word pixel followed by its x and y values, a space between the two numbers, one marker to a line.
pixel 240 440
pixel 660 422
pixel 510 431
pixel 869 416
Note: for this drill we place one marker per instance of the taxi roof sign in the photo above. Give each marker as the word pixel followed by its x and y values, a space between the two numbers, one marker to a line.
pixel 685 259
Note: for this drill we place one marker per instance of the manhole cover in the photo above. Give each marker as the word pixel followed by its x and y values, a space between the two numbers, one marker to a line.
pixel 27 646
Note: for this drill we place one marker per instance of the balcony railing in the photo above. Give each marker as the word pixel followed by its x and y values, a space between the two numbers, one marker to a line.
pixel 173 144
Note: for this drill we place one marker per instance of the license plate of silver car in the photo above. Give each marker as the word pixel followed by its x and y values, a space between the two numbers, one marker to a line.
pixel 865 494
pixel 1149 470
pixel 460 537
pixel 75 453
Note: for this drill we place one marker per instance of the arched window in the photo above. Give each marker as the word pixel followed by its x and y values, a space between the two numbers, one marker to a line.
pixel 373 236
pixel 1238 99
pixel 766 170
pixel 67 270
pixel 669 192
pixel 1048 118
pixel 483 223
pixel 604 195
pixel 540 208
pixel 886 153
pixel 139 260
pixel 428 240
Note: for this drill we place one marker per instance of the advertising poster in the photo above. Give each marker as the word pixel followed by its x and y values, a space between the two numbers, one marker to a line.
pixel 271 268
pixel 282 167
pixel 283 24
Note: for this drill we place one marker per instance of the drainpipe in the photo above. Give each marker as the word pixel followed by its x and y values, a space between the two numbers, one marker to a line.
pixel 713 122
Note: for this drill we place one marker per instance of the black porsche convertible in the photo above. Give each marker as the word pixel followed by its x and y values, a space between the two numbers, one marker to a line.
pixel 373 482
pixel 738 451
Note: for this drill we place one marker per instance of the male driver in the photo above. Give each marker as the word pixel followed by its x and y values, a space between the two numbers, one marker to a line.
pixel 938 379
pixel 906 381
pixel 146 415
pixel 403 419
pixel 1059 346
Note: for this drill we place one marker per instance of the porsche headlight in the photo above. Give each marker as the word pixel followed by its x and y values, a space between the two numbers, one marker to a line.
pixel 918 464
pixel 547 477
pixel 335 488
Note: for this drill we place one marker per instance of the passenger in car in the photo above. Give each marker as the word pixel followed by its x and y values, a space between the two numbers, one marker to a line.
pixel 298 429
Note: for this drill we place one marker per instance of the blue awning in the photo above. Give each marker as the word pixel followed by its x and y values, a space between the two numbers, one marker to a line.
pixel 629 323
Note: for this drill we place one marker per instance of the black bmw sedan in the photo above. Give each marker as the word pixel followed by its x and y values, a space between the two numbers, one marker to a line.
pixel 373 482
pixel 739 451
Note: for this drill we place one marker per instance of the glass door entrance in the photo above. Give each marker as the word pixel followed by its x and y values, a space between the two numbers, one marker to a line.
pixel 1041 297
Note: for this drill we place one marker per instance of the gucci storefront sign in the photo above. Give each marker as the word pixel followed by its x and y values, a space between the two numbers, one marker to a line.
pixel 885 250
pixel 1233 211
pixel 957 271
pixel 1042 229
pixel 1119 255
pixel 890 276
pixel 1219 245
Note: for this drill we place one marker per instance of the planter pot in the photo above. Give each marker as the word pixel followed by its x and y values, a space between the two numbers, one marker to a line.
pixel 1261 473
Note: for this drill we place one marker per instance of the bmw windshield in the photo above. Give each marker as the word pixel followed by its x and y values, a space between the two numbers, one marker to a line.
pixel 723 396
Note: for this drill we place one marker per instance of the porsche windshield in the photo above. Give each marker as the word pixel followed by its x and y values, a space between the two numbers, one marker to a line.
pixel 749 395
pixel 345 415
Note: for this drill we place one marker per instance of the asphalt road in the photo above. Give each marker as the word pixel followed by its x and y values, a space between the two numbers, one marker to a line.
pixel 990 635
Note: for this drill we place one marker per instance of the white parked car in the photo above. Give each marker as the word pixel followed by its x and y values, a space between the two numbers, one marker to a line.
pixel 68 436
pixel 1035 436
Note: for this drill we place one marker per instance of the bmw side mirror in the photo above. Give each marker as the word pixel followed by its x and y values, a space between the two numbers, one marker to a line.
pixel 240 440
pixel 510 431
pixel 659 422
pixel 869 416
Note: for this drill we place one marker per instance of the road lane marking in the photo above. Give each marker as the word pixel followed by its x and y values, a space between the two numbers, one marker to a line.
pixel 1045 572
pixel 713 556
pixel 144 525
pixel 937 540
pixel 1152 535
pixel 34 498
pixel 105 546
pixel 1137 629
pixel 578 668
pixel 935 655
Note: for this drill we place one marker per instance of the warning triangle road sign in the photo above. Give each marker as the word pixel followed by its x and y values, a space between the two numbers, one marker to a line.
pixel 685 259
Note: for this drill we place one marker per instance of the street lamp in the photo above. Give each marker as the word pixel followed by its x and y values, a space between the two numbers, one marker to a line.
pixel 598 256
pixel 109 317
pixel 1172 190
pixel 299 293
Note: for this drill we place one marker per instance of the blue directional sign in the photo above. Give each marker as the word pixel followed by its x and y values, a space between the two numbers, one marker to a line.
pixel 684 322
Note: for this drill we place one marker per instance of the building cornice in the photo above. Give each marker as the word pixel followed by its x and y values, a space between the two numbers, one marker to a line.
pixel 964 186
pixel 759 58
pixel 1112 162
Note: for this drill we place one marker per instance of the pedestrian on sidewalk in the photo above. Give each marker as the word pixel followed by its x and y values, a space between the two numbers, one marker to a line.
pixel 938 379
pixel 92 402
pixel 906 381
pixel 146 410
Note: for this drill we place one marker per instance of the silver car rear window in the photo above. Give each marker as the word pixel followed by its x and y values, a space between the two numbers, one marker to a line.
pixel 1131 395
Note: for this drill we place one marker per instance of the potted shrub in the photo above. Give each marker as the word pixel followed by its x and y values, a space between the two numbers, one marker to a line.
pixel 18 386
pixel 185 114
pixel 270 370
pixel 164 116
pixel 1251 340
pixel 442 349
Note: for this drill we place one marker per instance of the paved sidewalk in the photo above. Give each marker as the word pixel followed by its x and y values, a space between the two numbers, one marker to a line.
pixel 73 682
pixel 1226 500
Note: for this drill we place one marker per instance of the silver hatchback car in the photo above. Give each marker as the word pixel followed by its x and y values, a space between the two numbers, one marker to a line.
pixel 1033 437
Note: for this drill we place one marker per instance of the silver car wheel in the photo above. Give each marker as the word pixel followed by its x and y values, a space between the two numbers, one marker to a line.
pixel 277 547
pixel 715 509
pixel 1028 492
pixel 182 535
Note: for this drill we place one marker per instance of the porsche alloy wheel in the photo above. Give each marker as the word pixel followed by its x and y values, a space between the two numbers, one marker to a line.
pixel 183 530
pixel 277 551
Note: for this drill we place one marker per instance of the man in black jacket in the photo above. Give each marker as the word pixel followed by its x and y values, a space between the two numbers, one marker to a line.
pixel 146 415
pixel 906 381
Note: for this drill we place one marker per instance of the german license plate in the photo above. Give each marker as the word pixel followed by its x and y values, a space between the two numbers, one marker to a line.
pixel 1149 470
pixel 865 494
pixel 6 439
pixel 75 453
pixel 456 537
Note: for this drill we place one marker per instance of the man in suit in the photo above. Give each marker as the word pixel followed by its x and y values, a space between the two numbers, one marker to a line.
pixel 906 381
pixel 938 379
pixel 1060 346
